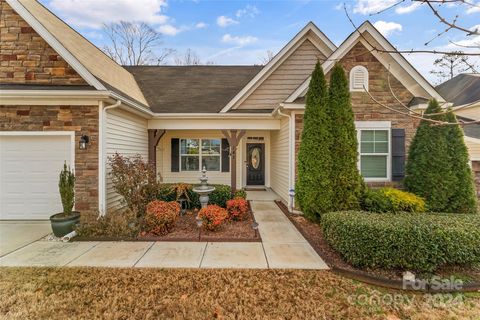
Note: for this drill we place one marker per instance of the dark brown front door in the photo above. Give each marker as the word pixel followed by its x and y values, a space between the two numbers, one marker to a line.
pixel 255 164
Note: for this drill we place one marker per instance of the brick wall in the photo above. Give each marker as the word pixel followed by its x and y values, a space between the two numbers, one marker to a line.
pixel 26 58
pixel 82 120
pixel 363 107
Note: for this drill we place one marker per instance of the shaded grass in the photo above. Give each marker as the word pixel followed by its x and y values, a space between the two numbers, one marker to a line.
pixel 92 293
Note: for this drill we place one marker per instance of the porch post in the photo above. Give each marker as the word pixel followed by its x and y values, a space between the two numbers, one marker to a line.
pixel 154 136
pixel 233 140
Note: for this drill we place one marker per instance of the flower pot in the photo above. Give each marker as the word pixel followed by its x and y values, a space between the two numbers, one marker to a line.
pixel 63 224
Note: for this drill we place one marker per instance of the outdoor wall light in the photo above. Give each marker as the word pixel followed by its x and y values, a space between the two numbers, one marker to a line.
pixel 84 140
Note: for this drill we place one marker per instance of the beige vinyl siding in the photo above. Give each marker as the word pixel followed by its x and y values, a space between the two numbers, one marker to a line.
pixel 470 112
pixel 164 159
pixel 279 142
pixel 473 146
pixel 285 79
pixel 126 134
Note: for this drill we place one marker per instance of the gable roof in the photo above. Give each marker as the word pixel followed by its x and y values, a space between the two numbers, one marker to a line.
pixel 399 66
pixel 191 89
pixel 322 43
pixel 90 62
pixel 462 89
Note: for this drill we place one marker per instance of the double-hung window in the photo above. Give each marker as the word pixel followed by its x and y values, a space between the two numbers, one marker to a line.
pixel 198 153
pixel 374 154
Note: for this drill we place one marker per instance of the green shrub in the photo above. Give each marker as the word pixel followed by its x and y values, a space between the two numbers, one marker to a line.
pixel 220 196
pixel 391 200
pixel 120 223
pixel 418 242
pixel 241 193
pixel 66 187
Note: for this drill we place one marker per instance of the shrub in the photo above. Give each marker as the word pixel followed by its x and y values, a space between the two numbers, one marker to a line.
pixel 408 241
pixel 220 196
pixel 213 216
pixel 241 193
pixel 391 200
pixel 66 187
pixel 345 177
pixel 120 223
pixel 238 209
pixel 160 217
pixel 135 180
pixel 313 189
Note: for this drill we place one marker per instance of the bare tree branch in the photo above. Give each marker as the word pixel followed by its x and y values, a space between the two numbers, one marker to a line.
pixel 190 58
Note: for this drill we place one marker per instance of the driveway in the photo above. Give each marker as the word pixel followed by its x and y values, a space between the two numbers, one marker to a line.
pixel 17 234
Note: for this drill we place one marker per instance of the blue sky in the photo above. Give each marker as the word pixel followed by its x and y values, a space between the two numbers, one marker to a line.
pixel 240 32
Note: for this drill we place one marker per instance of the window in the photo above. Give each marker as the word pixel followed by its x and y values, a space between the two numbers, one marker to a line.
pixel 194 152
pixel 375 154
pixel 358 78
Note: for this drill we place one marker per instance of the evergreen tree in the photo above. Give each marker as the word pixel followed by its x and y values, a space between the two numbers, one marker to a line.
pixel 429 170
pixel 346 180
pixel 313 187
pixel 463 195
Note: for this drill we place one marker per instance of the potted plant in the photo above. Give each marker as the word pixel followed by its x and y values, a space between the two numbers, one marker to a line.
pixel 63 222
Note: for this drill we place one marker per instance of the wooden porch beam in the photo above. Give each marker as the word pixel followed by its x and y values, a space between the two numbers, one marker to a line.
pixel 233 140
pixel 154 136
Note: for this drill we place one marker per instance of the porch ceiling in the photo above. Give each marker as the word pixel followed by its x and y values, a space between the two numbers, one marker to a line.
pixel 214 124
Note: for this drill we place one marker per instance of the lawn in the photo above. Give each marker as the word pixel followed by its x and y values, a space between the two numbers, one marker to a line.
pixel 88 293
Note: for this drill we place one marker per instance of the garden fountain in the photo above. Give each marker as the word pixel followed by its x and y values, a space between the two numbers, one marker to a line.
pixel 203 189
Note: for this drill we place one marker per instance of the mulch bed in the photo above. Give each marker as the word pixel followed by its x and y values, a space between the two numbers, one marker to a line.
pixel 314 235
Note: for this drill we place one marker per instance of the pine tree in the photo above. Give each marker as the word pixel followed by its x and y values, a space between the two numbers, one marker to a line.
pixel 346 180
pixel 462 198
pixel 429 169
pixel 313 187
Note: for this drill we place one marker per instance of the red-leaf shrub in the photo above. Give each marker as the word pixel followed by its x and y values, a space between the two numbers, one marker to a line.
pixel 213 216
pixel 160 217
pixel 237 209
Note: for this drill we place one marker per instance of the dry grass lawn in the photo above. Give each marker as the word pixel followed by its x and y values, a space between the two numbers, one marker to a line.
pixel 98 293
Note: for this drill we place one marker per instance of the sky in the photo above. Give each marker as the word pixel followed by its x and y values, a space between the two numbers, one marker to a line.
pixel 241 32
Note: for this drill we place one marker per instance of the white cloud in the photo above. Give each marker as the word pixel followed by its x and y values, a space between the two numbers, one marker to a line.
pixel 249 11
pixel 224 21
pixel 94 13
pixel 407 9
pixel 240 41
pixel 201 25
pixel 372 6
pixel 473 8
pixel 387 28
pixel 169 30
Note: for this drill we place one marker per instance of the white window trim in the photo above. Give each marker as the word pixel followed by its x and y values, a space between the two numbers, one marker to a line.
pixel 365 71
pixel 375 125
pixel 199 154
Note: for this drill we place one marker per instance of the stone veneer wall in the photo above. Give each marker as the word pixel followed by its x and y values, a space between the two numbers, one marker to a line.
pixel 25 58
pixel 82 120
pixel 476 173
pixel 363 107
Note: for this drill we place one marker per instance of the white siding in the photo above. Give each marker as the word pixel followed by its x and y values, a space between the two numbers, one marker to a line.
pixel 279 159
pixel 126 134
pixel 285 79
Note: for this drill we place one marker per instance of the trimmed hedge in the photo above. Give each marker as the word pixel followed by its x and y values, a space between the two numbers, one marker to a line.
pixel 219 196
pixel 391 200
pixel 418 242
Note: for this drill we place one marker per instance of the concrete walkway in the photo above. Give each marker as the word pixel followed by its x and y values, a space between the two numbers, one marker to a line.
pixel 282 247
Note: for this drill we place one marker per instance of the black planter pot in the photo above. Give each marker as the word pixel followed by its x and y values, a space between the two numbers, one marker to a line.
pixel 62 225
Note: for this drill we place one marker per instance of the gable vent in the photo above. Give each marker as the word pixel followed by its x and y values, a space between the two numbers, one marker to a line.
pixel 358 78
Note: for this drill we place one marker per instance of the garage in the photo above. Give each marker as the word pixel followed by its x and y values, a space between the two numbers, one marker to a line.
pixel 30 164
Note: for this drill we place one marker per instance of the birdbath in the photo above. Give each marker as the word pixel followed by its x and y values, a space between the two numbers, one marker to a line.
pixel 203 189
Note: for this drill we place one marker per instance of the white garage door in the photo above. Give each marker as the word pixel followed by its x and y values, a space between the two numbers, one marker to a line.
pixel 29 170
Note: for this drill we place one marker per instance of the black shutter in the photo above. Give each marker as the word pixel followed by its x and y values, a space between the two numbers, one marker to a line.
pixel 225 156
pixel 175 155
pixel 398 154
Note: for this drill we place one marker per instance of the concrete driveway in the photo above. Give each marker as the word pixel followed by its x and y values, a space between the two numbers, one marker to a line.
pixel 17 234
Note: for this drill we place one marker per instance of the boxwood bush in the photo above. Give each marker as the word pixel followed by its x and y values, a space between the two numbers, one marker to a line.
pixel 409 241
pixel 219 196
pixel 391 200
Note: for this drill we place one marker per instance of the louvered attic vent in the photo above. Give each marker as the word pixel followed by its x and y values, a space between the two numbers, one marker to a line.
pixel 358 78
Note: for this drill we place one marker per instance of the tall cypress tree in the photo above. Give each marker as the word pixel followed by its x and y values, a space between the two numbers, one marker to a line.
pixel 462 194
pixel 346 180
pixel 313 187
pixel 429 169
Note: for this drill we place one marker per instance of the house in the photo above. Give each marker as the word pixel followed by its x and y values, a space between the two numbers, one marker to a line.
pixel 62 99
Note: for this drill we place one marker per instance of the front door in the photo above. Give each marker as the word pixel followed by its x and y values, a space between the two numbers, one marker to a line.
pixel 255 164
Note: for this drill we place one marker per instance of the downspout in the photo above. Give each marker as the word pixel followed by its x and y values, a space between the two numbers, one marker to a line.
pixel 291 144
pixel 102 159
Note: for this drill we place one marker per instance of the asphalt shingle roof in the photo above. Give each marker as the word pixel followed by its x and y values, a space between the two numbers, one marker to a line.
pixel 462 89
